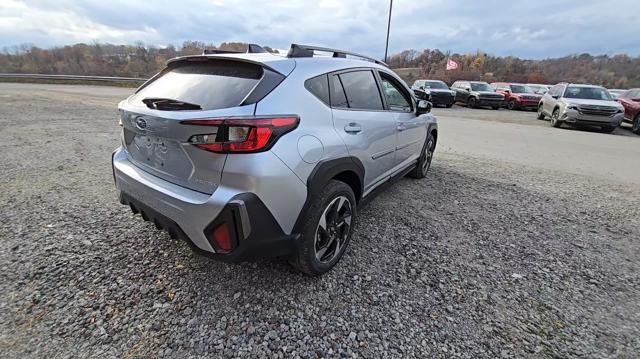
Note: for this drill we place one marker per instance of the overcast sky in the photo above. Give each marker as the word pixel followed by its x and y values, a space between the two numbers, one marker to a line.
pixel 530 29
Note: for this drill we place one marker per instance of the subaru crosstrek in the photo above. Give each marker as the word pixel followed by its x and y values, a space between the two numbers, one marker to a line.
pixel 255 155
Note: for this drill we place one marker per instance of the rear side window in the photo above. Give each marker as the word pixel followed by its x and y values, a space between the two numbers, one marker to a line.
pixel 319 86
pixel 338 98
pixel 361 90
pixel 210 85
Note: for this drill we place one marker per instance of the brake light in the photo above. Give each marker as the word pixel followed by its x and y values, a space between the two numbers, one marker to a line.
pixel 242 135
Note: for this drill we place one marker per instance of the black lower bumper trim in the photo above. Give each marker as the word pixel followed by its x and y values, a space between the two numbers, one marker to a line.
pixel 266 239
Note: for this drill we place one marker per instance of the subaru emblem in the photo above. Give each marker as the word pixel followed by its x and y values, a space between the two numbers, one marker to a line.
pixel 141 124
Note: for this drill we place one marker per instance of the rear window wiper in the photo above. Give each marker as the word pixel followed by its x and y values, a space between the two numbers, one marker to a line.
pixel 168 104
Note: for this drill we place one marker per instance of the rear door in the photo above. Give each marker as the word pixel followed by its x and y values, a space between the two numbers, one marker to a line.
pixel 368 131
pixel 154 137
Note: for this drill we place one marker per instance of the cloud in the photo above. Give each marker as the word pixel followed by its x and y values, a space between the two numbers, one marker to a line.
pixel 535 29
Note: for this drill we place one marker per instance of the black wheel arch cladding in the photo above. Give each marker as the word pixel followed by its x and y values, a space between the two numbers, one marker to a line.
pixel 346 169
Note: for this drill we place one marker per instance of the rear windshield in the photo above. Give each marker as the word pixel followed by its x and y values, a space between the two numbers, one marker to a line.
pixel 211 84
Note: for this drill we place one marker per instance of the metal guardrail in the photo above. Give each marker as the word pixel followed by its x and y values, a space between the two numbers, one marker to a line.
pixel 71 77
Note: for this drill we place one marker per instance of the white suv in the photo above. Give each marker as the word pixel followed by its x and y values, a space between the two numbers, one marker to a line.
pixel 581 104
pixel 255 155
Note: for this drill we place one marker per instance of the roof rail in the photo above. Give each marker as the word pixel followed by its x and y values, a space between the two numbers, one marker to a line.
pixel 251 49
pixel 298 50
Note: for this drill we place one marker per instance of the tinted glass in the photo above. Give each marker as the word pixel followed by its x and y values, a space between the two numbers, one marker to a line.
pixel 210 85
pixel 436 85
pixel 521 89
pixel 338 99
pixel 396 99
pixel 319 86
pixel 590 93
pixel 361 90
pixel 481 87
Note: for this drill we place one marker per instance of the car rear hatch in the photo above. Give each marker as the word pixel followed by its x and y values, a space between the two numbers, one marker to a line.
pixel 156 133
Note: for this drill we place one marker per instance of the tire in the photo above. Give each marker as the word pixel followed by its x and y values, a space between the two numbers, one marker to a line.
pixel 608 129
pixel 424 162
pixel 332 205
pixel 541 115
pixel 635 126
pixel 512 105
pixel 472 102
pixel 555 118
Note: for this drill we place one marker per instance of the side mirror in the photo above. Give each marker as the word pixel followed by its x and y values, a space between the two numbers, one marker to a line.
pixel 421 87
pixel 507 91
pixel 467 89
pixel 555 96
pixel 423 107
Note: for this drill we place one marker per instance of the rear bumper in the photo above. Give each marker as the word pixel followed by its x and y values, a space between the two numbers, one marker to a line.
pixel 575 117
pixel 259 224
pixel 253 239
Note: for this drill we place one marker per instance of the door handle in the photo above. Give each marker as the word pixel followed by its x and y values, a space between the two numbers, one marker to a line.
pixel 401 128
pixel 352 128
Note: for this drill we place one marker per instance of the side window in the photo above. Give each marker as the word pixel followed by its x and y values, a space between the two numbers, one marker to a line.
pixel 338 98
pixel 319 86
pixel 361 90
pixel 396 98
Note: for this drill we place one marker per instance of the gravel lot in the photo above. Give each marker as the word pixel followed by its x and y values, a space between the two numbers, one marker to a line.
pixel 484 258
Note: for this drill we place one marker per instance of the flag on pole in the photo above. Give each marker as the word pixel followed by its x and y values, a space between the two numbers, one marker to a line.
pixel 452 65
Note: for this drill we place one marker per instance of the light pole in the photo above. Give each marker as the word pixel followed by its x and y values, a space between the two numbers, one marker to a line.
pixel 386 48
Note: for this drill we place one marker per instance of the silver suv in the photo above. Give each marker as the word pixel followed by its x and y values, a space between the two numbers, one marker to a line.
pixel 255 155
pixel 581 104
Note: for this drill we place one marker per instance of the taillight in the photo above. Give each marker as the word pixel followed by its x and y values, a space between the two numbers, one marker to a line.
pixel 242 135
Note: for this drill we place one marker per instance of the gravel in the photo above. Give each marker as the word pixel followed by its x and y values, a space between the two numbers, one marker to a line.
pixel 480 259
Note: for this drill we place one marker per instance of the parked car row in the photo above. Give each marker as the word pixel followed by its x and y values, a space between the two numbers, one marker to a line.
pixel 564 103
pixel 480 94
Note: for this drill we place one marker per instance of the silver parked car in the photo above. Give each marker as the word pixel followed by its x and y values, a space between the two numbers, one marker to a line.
pixel 581 104
pixel 256 155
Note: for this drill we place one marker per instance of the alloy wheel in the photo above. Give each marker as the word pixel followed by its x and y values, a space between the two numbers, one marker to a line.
pixel 636 125
pixel 428 156
pixel 333 229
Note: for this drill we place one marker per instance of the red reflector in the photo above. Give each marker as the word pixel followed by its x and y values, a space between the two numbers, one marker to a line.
pixel 222 237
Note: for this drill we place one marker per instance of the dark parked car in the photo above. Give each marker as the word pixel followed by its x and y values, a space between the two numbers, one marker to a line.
pixel 518 96
pixel 630 100
pixel 477 94
pixel 435 91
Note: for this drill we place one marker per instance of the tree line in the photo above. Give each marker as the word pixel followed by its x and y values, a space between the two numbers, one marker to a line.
pixel 617 71
pixel 140 60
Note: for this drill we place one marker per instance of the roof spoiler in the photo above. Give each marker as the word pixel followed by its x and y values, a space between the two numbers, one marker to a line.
pixel 251 49
pixel 298 50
